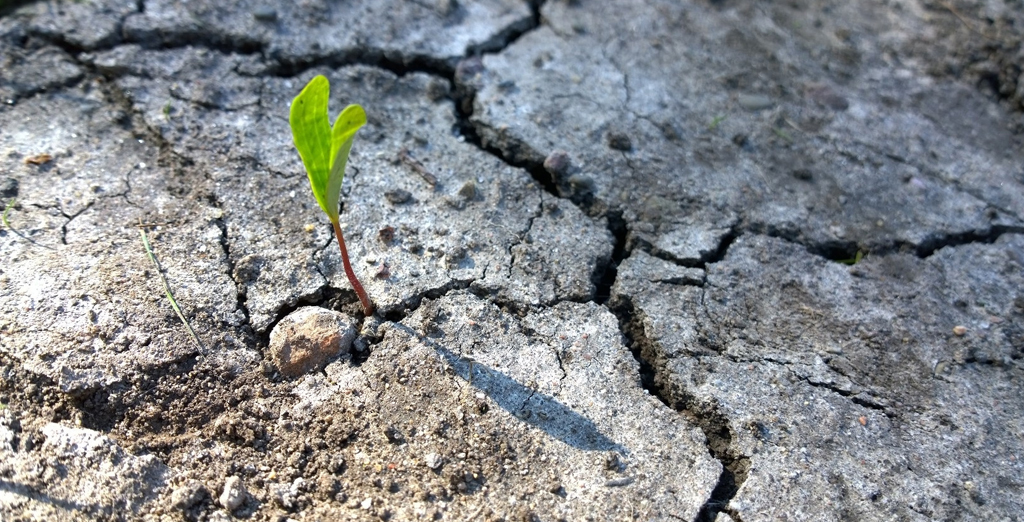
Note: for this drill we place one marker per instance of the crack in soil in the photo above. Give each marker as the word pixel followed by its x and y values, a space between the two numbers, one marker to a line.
pixel 702 413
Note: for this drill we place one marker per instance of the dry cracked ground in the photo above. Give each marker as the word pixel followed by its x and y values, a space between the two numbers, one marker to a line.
pixel 710 260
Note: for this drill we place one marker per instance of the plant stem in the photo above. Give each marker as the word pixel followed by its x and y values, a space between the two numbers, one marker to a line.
pixel 363 298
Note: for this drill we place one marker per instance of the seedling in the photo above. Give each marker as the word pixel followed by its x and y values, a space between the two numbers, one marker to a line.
pixel 324 152
pixel 853 260
pixel 7 210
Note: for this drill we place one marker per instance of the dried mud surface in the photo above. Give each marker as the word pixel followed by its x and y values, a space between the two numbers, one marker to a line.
pixel 633 260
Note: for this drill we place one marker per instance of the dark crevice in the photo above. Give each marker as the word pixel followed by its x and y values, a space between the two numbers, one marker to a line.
pixel 635 339
pixel 702 413
pixel 409 306
pixel 241 295
pixel 510 34
pixel 720 252
pixel 937 242
pixel 856 398
pixel 836 250
pixel 845 250
pixel 321 297
pixel 719 437
pixel 70 218
pixel 706 258
pixel 400 65
pixel 604 275
pixel 530 162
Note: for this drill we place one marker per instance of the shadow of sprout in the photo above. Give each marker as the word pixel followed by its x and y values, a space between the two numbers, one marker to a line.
pixel 530 406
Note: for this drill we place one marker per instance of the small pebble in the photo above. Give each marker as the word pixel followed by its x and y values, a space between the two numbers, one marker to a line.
pixel 433 460
pixel 754 102
pixel 959 330
pixel 557 163
pixel 234 493
pixel 619 482
pixel 468 190
pixel 265 14
pixel 398 196
pixel 307 338
pixel 581 183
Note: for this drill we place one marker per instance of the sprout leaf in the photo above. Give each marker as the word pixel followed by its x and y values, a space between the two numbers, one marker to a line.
pixel 324 151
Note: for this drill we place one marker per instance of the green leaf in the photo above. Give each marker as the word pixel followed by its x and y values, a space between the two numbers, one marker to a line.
pixel 324 151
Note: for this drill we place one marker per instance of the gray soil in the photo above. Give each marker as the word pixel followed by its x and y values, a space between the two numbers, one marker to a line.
pixel 709 260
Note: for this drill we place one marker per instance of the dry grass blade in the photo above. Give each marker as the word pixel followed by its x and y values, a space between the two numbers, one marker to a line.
pixel 167 288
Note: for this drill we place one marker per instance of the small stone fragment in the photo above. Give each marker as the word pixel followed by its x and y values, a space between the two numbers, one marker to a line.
pixel 754 102
pixel 959 330
pixel 234 493
pixel 620 141
pixel 188 495
pixel 433 460
pixel 862 420
pixel 265 14
pixel 619 482
pixel 557 163
pixel 308 337
pixel 386 234
pixel 469 191
pixel 581 183
pixel 38 159
pixel 398 196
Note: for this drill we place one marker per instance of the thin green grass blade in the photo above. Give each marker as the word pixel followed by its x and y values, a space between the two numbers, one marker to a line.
pixel 167 288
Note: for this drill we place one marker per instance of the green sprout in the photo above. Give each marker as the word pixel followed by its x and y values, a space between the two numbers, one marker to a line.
pixel 324 152
pixel 853 260
pixel 7 210
pixel 782 134
pixel 715 121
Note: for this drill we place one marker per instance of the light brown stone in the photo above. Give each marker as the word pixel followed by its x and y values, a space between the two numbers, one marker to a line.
pixel 308 337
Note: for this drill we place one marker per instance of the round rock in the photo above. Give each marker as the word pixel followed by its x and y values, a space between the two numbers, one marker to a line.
pixel 234 493
pixel 308 337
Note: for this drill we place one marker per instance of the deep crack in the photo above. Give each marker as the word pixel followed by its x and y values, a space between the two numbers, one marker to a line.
pixel 604 276
pixel 703 413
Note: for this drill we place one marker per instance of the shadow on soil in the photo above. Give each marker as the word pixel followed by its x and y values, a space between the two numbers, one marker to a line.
pixel 530 406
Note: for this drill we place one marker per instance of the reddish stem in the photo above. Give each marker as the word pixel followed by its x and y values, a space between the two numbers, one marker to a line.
pixel 363 298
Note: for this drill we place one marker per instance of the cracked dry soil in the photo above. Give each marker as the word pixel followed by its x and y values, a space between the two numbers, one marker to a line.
pixel 633 260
